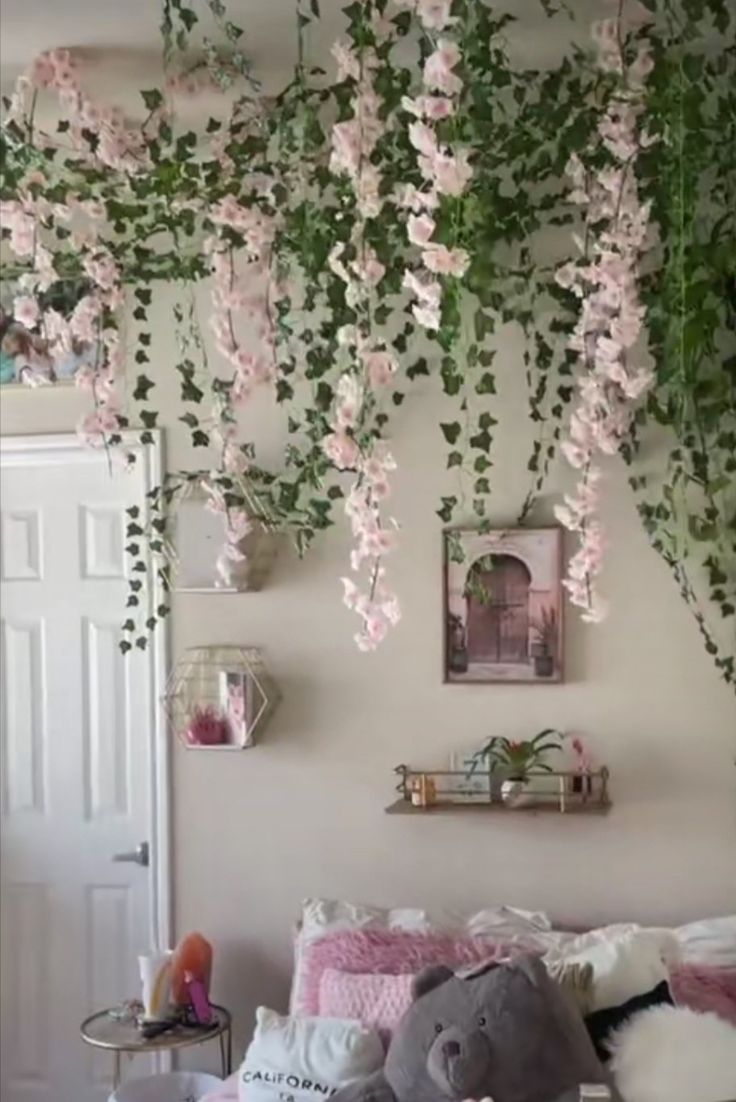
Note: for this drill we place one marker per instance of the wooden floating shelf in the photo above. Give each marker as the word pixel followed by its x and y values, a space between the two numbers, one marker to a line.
pixel 405 807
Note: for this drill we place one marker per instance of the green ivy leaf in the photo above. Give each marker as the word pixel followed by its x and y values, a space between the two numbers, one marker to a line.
pixel 152 98
pixel 142 387
pixel 446 511
pixel 486 384
pixel 419 367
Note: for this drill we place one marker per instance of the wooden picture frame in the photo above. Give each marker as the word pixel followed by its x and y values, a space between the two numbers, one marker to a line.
pixel 503 606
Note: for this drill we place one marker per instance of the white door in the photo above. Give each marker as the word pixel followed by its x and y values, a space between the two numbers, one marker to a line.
pixel 83 766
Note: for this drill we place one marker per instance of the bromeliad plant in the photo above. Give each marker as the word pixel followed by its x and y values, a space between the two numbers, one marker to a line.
pixel 517 759
pixel 362 231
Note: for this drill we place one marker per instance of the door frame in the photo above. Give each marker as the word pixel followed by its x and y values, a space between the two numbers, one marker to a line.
pixel 56 448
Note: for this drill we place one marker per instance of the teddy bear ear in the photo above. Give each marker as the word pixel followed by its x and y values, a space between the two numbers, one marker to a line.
pixel 429 978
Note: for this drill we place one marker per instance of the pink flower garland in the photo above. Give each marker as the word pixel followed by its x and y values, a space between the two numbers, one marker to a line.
pixel 371 363
pixel 118 147
pixel 445 172
pixel 62 338
pixel 605 278
pixel 233 294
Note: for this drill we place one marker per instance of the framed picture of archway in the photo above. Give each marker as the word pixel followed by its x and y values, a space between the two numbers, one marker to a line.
pixel 503 606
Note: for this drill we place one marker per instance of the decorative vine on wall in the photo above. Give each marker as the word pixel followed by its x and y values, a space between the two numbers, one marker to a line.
pixel 359 232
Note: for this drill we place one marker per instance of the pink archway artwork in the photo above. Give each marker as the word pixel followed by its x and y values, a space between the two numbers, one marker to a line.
pixel 503 605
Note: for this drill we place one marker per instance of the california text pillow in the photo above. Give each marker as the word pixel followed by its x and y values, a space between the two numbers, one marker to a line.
pixel 305 1059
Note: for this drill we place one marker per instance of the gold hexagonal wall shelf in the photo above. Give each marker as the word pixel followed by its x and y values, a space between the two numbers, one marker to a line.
pixel 220 698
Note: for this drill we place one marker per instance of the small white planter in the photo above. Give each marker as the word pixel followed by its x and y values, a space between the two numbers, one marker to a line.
pixel 517 793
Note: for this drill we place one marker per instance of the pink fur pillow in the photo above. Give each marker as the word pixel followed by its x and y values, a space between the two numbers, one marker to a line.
pixel 377 1001
pixel 703 987
pixel 384 952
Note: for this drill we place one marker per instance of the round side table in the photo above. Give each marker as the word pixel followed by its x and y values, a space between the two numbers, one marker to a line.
pixel 102 1031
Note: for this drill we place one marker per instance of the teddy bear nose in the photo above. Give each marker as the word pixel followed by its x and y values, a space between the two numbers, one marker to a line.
pixel 450 1049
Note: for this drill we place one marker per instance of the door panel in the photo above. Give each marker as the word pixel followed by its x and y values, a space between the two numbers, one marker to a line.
pixel 77 788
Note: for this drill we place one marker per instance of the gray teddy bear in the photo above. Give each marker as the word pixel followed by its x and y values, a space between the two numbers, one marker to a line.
pixel 503 1032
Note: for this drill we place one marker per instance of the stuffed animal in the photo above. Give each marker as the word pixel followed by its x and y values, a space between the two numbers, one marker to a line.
pixel 505 1032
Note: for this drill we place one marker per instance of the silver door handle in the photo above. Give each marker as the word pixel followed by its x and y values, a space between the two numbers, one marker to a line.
pixel 139 856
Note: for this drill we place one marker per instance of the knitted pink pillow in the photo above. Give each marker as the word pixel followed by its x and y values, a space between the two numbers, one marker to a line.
pixel 703 987
pixel 375 1000
pixel 386 952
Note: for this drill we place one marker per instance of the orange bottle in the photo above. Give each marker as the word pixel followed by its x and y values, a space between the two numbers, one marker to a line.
pixel 192 955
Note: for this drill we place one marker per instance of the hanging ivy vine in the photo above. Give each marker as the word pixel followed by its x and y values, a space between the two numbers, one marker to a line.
pixel 688 504
pixel 361 230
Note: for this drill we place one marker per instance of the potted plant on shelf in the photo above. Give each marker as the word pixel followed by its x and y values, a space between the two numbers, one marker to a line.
pixel 517 759
pixel 544 642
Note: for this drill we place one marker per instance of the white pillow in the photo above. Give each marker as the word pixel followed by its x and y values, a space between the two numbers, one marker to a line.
pixel 625 964
pixel 673 1054
pixel 709 941
pixel 326 916
pixel 306 1058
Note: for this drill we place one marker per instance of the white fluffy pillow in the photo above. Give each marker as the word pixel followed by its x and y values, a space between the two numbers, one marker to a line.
pixel 709 941
pixel 326 916
pixel 673 1054
pixel 625 964
pixel 306 1058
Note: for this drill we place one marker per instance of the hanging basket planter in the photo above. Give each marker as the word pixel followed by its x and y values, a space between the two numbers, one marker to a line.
pixel 199 535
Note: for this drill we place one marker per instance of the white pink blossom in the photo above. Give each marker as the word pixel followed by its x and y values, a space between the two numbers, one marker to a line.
pixel 348 65
pixel 26 311
pixel 438 68
pixel 434 14
pixel 423 138
pixel 427 316
pixel 605 279
pixel 348 400
pixel 449 173
pixel 429 107
pixel 420 229
pixel 346 147
pixel 341 450
pixel 102 270
pixel 18 218
pixel 427 290
pixel 380 366
pixel 443 261
pixel 367 267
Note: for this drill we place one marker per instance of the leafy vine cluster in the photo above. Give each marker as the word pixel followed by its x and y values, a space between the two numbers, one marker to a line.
pixel 362 229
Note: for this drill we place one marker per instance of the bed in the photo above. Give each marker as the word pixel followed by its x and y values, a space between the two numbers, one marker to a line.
pixel 353 960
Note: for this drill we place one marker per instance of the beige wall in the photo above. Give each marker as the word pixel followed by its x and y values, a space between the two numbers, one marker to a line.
pixel 302 814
